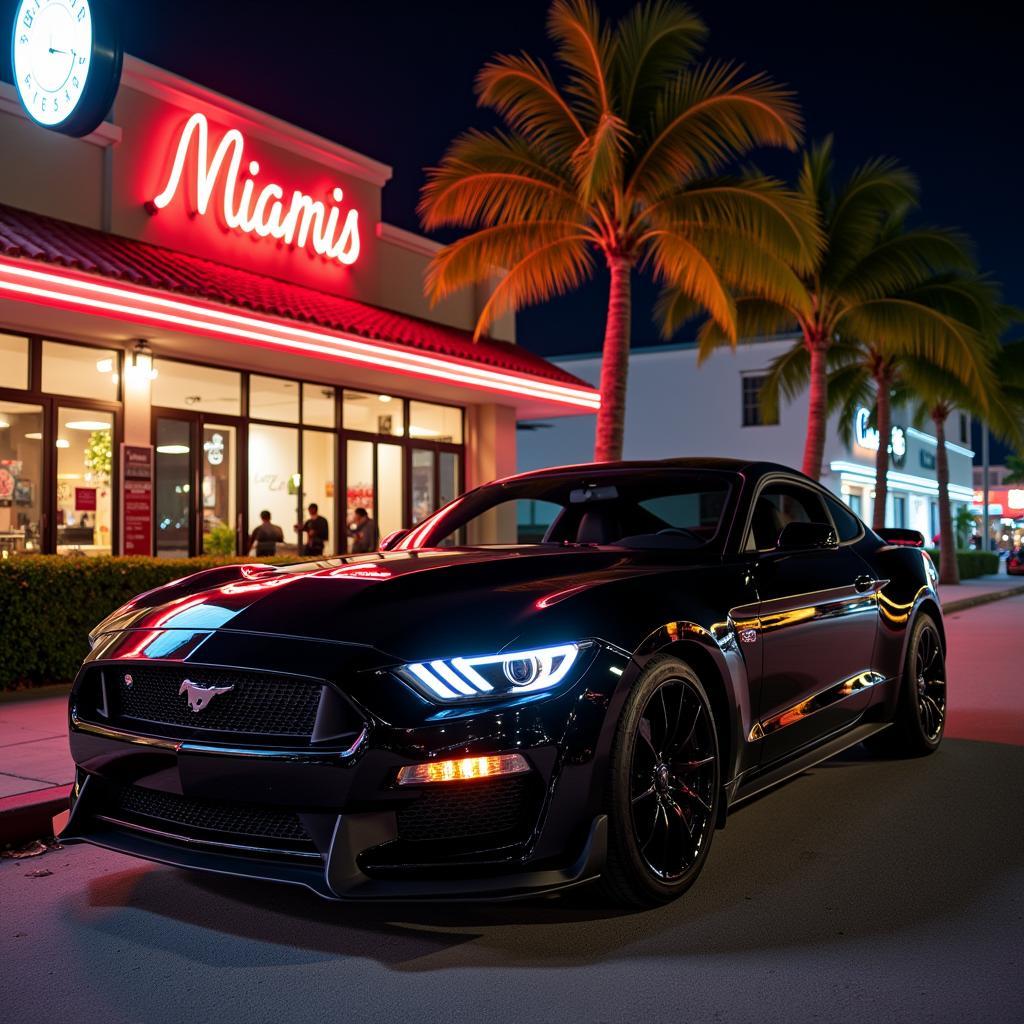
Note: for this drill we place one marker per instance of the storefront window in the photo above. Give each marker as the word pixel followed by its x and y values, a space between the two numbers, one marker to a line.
pixel 218 474
pixel 372 414
pixel 274 480
pixel 359 492
pixel 318 461
pixel 21 474
pixel 271 398
pixel 173 488
pixel 81 371
pixel 389 482
pixel 318 405
pixel 448 477
pixel 196 388
pixel 85 462
pixel 14 360
pixel 424 497
pixel 435 422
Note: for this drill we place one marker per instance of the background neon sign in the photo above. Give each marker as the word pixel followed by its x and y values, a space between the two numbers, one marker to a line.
pixel 302 221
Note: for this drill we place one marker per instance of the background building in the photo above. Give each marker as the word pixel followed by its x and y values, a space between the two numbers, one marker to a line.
pixel 202 315
pixel 676 408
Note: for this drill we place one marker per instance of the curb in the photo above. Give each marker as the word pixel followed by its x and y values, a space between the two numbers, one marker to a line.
pixel 29 816
pixel 972 602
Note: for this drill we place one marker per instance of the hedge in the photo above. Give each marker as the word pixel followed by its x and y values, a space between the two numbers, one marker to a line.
pixel 48 605
pixel 971 563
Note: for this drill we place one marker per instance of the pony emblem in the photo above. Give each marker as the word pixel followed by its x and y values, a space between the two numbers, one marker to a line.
pixel 199 697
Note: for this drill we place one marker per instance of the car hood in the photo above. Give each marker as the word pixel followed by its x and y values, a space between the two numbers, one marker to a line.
pixel 409 605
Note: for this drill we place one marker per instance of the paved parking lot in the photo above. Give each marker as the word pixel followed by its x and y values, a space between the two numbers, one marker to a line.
pixel 864 890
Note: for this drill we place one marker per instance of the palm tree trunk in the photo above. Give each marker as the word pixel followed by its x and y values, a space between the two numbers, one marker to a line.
pixel 883 406
pixel 949 571
pixel 614 363
pixel 817 408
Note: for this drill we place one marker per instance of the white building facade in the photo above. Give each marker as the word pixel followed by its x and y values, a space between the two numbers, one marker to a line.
pixel 677 408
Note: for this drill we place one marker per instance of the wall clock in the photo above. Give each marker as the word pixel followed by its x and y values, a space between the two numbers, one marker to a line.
pixel 66 58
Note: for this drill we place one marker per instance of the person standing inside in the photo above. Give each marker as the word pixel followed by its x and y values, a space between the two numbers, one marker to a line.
pixel 316 532
pixel 364 532
pixel 266 537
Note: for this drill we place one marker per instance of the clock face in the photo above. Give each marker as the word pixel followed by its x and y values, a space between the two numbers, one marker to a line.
pixel 53 52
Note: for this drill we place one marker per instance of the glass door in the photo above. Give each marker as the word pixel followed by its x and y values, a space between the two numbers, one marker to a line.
pixel 173 487
pixel 197 485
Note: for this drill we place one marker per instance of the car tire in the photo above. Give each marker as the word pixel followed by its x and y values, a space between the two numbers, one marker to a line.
pixel 919 721
pixel 664 787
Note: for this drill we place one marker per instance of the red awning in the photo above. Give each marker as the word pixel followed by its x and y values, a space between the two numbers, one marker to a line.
pixel 26 236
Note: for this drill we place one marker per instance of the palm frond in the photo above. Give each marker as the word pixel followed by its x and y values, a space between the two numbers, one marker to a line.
pixel 678 260
pixel 549 269
pixel 757 207
pixel 814 182
pixel 653 42
pixel 787 376
pixel 875 193
pixel 904 260
pixel 584 46
pixel 597 161
pixel 489 251
pixel 755 318
pixel 706 117
pixel 490 177
pixel 849 389
pixel 908 327
pixel 523 92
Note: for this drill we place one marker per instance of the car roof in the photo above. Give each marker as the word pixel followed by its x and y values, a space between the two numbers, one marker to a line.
pixel 747 467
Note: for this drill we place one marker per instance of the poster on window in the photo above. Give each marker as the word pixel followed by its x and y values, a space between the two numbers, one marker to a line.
pixel 137 499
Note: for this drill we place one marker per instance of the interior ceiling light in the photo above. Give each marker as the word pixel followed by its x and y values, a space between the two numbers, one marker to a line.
pixel 87 425
pixel 34 436
pixel 172 449
pixel 62 443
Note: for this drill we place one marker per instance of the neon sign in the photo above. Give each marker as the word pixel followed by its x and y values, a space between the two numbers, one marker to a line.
pixel 867 437
pixel 303 221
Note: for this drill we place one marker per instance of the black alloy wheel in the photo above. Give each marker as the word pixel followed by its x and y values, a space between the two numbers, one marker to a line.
pixel 920 716
pixel 665 787
pixel 929 683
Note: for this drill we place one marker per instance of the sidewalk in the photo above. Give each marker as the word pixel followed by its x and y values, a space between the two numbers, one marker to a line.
pixel 979 590
pixel 36 770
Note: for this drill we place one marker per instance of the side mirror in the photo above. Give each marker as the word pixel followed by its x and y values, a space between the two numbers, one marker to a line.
pixel 392 539
pixel 806 537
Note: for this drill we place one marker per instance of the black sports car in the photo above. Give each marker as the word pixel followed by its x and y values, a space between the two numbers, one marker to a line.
pixel 455 719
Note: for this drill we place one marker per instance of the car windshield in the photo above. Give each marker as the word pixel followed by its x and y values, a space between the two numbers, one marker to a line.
pixel 662 508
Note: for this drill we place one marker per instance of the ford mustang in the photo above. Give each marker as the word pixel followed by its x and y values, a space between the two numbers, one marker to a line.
pixel 452 718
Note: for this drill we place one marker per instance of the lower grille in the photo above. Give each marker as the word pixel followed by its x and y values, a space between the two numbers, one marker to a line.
pixel 215 820
pixel 468 810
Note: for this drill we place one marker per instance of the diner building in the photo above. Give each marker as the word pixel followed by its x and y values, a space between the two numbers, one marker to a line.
pixel 203 316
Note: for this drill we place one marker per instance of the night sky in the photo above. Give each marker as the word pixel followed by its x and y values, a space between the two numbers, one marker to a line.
pixel 934 85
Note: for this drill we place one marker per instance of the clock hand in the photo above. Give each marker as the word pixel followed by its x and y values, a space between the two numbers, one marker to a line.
pixel 52 50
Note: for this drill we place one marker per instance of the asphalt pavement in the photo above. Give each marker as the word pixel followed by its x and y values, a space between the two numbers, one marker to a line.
pixel 873 890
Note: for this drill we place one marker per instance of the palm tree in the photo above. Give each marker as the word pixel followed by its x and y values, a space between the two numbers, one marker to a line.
pixel 625 157
pixel 861 286
pixel 935 394
pixel 866 371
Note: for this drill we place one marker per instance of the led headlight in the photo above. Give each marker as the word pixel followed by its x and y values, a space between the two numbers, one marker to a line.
pixel 493 675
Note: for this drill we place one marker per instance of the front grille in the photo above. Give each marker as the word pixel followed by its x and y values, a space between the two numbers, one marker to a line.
pixel 189 816
pixel 256 704
pixel 457 811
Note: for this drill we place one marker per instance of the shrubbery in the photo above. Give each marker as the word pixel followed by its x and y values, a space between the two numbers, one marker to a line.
pixel 48 604
pixel 971 563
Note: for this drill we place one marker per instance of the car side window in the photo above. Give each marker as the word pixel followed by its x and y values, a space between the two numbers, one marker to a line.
pixel 848 526
pixel 778 505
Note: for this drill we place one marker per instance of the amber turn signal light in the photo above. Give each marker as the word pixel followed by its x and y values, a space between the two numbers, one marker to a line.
pixel 463 770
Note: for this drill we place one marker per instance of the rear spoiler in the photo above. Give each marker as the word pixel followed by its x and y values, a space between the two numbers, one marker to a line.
pixel 905 538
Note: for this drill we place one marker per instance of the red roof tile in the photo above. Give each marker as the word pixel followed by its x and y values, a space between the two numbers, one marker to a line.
pixel 33 236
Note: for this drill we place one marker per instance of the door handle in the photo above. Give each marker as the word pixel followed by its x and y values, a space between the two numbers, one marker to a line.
pixel 864 583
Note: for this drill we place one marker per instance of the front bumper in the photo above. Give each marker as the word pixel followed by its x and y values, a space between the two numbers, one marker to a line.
pixel 329 815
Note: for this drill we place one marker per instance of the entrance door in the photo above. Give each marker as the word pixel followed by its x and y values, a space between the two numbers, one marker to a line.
pixel 197 485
